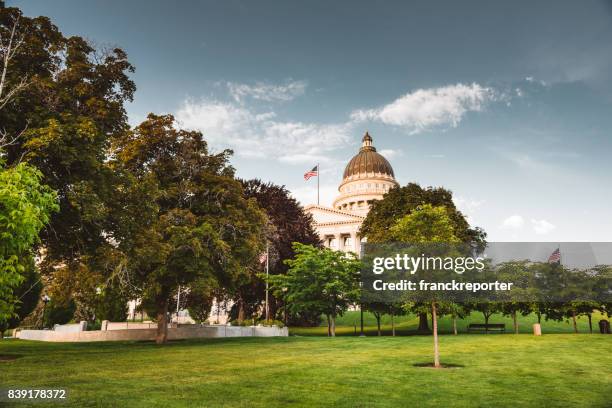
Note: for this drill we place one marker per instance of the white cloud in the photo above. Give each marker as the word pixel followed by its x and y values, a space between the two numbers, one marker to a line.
pixel 307 193
pixel 427 108
pixel 468 207
pixel 390 153
pixel 542 227
pixel 253 134
pixel 267 92
pixel 514 222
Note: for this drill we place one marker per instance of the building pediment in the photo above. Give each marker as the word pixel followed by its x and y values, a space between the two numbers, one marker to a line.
pixel 327 215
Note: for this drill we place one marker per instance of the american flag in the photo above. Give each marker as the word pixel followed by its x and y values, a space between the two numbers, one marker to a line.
pixel 312 173
pixel 555 257
pixel 263 257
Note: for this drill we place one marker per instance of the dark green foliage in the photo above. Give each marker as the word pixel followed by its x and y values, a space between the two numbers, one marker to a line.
pixel 288 223
pixel 58 313
pixel 69 113
pixel 199 300
pixel 111 305
pixel 190 224
pixel 402 201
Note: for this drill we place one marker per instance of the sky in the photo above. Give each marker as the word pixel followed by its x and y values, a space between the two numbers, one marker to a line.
pixel 507 104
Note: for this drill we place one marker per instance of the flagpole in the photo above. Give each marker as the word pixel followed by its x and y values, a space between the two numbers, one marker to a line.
pixel 267 284
pixel 318 177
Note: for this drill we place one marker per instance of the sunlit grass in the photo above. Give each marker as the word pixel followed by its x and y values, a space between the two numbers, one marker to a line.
pixel 556 370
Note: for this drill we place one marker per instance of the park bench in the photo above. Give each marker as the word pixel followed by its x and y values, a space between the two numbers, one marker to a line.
pixel 487 327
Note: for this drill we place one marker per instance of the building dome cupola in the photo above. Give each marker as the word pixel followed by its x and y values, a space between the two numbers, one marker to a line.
pixel 366 143
pixel 368 161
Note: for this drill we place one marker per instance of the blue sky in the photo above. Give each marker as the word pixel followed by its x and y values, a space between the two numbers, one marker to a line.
pixel 508 104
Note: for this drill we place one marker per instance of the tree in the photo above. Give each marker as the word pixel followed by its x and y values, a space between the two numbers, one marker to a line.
pixel 27 295
pixel 288 223
pixel 523 293
pixel 402 201
pixel 62 106
pixel 25 208
pixel 180 217
pixel 200 300
pixel 319 280
pixel 427 224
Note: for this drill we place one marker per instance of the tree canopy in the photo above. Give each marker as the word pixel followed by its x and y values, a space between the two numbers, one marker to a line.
pixel 319 280
pixel 190 223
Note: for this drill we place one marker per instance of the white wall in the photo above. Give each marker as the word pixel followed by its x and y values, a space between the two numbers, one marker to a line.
pixel 184 332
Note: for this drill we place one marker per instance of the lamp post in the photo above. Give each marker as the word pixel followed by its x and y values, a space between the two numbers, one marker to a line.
pixel 45 300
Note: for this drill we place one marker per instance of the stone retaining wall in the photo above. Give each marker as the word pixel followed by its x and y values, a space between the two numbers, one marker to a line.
pixel 184 332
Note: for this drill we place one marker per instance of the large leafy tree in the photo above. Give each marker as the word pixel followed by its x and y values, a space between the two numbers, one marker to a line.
pixel 69 108
pixel 288 223
pixel 319 281
pixel 402 201
pixel 181 217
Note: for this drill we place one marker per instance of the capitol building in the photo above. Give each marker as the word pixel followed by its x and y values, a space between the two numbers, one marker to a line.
pixel 367 177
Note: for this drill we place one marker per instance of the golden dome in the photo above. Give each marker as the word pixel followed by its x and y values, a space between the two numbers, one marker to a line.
pixel 368 161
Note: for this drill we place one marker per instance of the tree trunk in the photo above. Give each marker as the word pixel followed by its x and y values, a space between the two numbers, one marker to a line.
pixel 333 326
pixel 328 326
pixel 240 310
pixel 486 316
pixel 434 319
pixel 161 336
pixel 454 324
pixel 392 326
pixel 590 323
pixel 423 325
pixel 574 321
pixel 377 315
pixel 516 328
pixel 539 317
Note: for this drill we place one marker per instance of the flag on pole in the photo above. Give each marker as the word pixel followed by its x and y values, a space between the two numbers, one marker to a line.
pixel 555 257
pixel 312 173
pixel 263 258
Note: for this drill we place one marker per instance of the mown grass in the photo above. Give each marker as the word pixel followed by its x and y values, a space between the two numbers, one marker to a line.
pixel 556 370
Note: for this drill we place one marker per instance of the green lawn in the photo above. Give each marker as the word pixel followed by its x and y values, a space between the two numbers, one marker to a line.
pixel 556 370
pixel 350 321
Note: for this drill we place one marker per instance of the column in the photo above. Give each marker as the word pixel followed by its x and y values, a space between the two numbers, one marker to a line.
pixel 340 243
pixel 355 248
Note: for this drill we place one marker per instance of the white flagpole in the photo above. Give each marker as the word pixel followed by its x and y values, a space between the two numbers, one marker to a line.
pixel 178 302
pixel 267 284
pixel 318 177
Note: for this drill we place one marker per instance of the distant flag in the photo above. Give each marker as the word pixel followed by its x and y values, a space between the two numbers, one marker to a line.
pixel 263 257
pixel 555 257
pixel 312 173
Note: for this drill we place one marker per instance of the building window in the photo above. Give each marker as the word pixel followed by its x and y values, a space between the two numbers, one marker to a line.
pixel 348 241
pixel 331 242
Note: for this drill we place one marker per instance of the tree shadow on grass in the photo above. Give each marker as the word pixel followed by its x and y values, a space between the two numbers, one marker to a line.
pixel 442 366
pixel 9 357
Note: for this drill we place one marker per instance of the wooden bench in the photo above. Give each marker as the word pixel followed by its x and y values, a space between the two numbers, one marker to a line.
pixel 487 327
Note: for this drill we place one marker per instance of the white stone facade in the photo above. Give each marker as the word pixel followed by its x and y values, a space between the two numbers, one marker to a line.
pixel 367 177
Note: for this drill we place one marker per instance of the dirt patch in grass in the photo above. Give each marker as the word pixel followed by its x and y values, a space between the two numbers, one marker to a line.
pixel 9 357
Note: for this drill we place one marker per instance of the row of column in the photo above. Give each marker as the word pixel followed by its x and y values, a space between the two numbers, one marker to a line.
pixel 339 237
